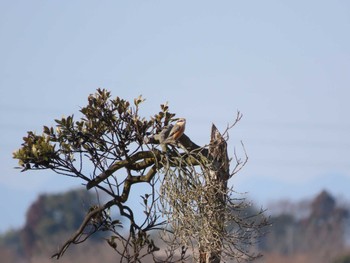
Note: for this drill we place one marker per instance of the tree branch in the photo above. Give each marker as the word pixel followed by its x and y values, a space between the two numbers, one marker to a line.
pixel 75 237
pixel 148 156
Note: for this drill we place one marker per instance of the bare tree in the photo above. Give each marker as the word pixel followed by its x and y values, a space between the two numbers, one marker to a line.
pixel 186 200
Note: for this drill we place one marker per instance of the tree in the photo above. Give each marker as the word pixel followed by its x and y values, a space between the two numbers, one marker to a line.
pixel 52 216
pixel 317 236
pixel 343 259
pixel 186 197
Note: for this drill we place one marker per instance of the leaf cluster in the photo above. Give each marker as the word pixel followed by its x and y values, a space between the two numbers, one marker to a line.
pixel 107 130
pixel 109 138
pixel 36 150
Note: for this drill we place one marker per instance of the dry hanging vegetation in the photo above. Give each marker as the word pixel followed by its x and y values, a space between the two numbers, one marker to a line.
pixel 187 201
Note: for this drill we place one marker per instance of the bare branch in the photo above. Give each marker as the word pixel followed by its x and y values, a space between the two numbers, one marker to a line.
pixel 148 158
pixel 239 163
pixel 88 218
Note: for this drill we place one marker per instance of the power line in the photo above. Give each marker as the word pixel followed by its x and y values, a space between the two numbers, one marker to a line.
pixel 300 164
pixel 293 143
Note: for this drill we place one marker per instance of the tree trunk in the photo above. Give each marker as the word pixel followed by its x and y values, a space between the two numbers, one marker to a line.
pixel 217 178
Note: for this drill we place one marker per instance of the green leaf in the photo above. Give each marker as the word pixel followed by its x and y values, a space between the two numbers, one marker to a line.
pixel 47 130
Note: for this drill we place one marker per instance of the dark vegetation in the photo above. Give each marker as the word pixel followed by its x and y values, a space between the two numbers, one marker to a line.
pixel 49 220
pixel 318 236
pixel 316 232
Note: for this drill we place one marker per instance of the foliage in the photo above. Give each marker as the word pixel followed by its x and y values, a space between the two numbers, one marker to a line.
pixel 108 130
pixel 12 240
pixel 343 259
pixel 49 219
pixel 59 212
pixel 320 235
pixel 112 148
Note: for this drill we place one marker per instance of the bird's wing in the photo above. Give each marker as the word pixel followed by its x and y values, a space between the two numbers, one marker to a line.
pixel 174 130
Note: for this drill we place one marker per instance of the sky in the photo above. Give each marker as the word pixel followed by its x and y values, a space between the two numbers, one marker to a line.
pixel 283 64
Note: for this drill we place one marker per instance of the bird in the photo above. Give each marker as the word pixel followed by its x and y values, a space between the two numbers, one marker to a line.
pixel 177 131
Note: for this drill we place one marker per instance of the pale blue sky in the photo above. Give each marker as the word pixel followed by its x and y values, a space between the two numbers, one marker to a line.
pixel 284 65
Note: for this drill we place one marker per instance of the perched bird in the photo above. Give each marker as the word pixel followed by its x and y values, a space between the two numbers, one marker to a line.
pixel 177 131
